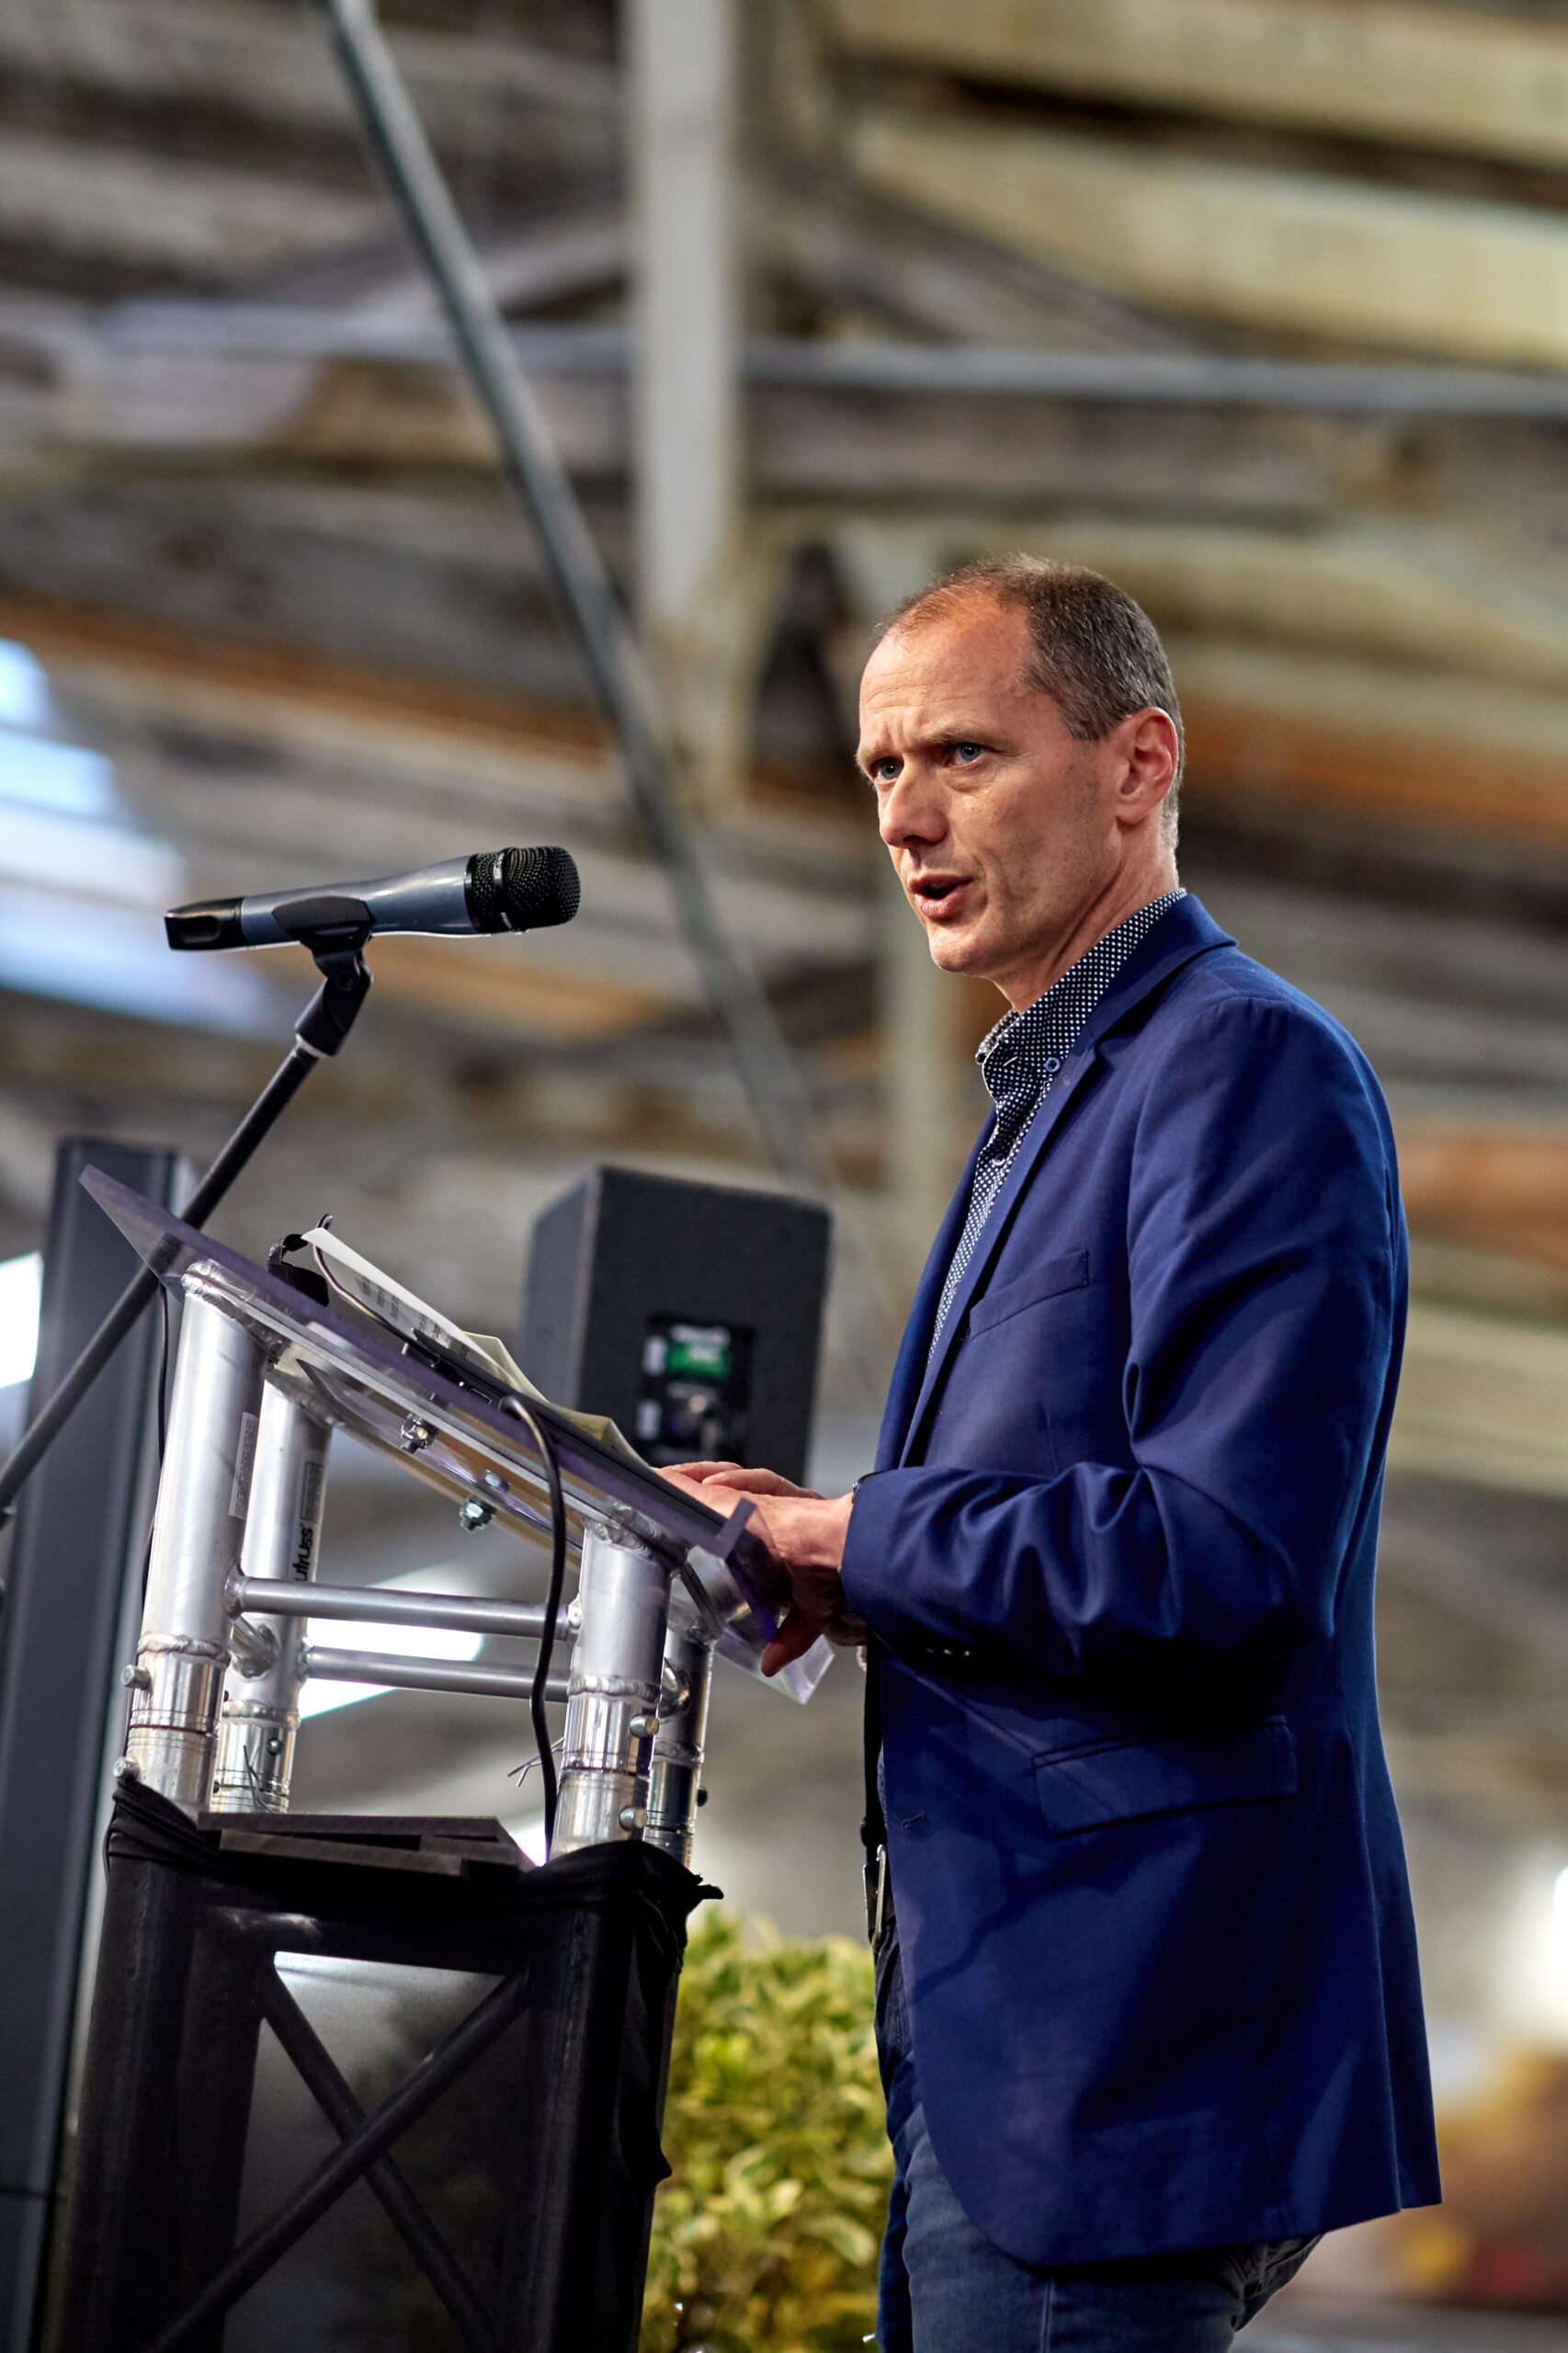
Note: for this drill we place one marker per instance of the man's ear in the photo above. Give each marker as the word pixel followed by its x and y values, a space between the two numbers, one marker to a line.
pixel 1151 753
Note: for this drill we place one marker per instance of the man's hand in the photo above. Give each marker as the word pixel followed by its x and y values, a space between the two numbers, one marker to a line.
pixel 805 1532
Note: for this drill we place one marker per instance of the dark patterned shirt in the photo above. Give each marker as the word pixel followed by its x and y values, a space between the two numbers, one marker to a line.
pixel 1018 1061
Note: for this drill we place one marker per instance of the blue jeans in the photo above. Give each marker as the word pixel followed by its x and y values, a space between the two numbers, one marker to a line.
pixel 945 2288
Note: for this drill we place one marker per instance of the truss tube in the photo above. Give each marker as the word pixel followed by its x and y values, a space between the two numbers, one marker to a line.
pixel 375 1606
pixel 398 1674
pixel 675 1782
pixel 203 1496
pixel 612 1708
pixel 260 1717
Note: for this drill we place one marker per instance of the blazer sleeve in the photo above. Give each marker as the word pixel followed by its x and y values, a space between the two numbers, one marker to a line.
pixel 1265 1269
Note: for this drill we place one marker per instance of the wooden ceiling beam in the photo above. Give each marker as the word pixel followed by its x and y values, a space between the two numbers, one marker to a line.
pixel 1294 727
pixel 554 253
pixel 274 66
pixel 1288 252
pixel 1501 1186
pixel 483 986
pixel 1419 595
pixel 145 210
pixel 1476 79
pixel 1483 1401
pixel 843 246
pixel 302 698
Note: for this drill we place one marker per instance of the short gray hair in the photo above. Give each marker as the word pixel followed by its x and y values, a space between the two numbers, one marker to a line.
pixel 1093 651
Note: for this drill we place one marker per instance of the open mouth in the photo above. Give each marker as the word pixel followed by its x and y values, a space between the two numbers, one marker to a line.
pixel 937 892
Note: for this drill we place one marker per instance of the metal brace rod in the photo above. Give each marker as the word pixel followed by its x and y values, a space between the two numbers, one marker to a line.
pixel 426 1674
pixel 767 1070
pixel 374 1606
pixel 313 2064
pixel 1161 378
pixel 322 2189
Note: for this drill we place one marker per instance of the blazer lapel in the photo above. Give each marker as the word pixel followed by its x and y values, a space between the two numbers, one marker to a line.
pixel 1185 931
pixel 1034 1142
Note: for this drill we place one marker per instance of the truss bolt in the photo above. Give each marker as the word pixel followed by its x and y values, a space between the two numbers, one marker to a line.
pixel 641 1726
pixel 474 1515
pixel 675 1690
pixel 135 1678
pixel 414 1435
pixel 634 1817
pixel 126 1769
pixel 494 1481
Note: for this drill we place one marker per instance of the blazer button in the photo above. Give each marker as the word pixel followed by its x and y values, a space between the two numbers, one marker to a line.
pixel 1052 1062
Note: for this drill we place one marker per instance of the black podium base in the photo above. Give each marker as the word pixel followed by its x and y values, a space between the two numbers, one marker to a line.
pixel 585 1953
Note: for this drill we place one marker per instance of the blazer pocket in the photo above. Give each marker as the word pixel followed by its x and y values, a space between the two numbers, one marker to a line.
pixel 1080 1788
pixel 1071 1273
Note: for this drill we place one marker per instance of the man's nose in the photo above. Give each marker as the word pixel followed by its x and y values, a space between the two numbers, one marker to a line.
pixel 910 811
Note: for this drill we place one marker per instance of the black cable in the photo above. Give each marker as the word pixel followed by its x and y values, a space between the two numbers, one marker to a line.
pixel 163 1429
pixel 163 1381
pixel 546 1446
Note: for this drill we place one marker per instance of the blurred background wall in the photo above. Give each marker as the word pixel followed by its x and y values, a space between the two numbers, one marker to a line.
pixel 822 296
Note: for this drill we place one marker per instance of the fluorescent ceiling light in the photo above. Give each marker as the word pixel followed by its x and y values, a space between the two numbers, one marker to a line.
pixel 24 688
pixel 87 953
pixel 80 922
pixel 78 855
pixel 21 1285
pixel 40 774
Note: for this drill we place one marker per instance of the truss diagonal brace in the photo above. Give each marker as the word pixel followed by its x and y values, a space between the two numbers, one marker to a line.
pixel 468 2042
pixel 316 2068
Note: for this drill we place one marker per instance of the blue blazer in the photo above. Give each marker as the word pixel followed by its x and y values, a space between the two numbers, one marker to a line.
pixel 1151 1901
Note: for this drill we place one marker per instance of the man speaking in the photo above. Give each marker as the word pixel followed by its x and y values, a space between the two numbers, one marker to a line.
pixel 1147 1998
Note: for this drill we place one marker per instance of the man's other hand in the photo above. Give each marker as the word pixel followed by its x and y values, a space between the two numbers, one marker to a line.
pixel 806 1534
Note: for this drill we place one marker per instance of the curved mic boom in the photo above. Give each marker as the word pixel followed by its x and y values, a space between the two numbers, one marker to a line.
pixel 496 890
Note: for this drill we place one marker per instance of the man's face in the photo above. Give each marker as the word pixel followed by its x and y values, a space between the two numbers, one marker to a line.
pixel 1008 834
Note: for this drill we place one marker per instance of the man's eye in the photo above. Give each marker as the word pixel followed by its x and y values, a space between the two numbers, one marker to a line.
pixel 966 752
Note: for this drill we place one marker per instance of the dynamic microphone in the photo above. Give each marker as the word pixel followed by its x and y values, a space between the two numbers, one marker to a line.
pixel 496 890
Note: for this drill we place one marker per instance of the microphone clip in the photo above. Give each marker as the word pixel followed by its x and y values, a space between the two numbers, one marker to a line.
pixel 336 946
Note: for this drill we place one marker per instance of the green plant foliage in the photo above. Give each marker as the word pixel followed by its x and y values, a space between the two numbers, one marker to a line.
pixel 766 2239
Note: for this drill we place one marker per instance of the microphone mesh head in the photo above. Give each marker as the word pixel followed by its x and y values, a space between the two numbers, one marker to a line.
pixel 522 890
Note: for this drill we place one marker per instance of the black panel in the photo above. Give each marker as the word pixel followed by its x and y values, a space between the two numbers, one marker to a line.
pixel 80 1535
pixel 623 1255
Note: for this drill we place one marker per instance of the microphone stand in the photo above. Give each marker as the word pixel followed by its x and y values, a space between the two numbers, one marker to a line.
pixel 321 1029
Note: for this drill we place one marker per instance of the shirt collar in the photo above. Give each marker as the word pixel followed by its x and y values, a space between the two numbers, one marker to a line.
pixel 1052 1025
